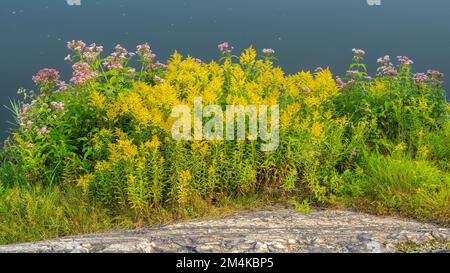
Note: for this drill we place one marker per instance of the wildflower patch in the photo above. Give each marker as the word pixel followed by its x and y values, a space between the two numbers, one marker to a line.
pixel 235 121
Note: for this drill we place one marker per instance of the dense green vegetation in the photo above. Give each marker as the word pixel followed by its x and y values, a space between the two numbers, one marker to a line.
pixel 97 153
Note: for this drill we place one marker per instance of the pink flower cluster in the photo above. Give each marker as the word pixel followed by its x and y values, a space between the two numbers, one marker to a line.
pixel 403 60
pixel 118 58
pixel 389 71
pixel 340 82
pixel 384 61
pixel 76 46
pixel 159 79
pixel 386 67
pixel 92 52
pixel 43 131
pixel 159 65
pixel 352 73
pixel 82 72
pixel 435 74
pixel 57 105
pixel 46 75
pixel 23 117
pixel 358 52
pixel 268 51
pixel 420 77
pixel 145 52
pixel 343 84
pixel 306 89
pixel 318 69
pixel 224 47
pixel 62 85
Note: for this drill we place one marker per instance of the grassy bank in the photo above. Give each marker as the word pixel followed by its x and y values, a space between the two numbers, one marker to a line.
pixel 98 152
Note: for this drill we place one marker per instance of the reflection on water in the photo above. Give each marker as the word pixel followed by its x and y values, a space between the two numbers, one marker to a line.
pixel 77 2
pixel 374 2
pixel 304 33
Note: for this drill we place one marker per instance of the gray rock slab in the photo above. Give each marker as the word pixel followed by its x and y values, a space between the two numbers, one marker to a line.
pixel 279 230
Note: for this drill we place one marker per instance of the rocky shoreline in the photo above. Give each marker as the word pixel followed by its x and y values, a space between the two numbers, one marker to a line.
pixel 272 230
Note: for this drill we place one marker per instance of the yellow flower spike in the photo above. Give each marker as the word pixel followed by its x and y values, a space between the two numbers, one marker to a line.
pixel 124 149
pixel 174 61
pixel 212 170
pixel 317 130
pixel 155 143
pixel 400 147
pixel 379 86
pixel 102 166
pixel 97 100
pixel 185 176
pixel 312 101
pixel 315 114
pixel 84 181
pixel 140 163
pixel 248 57
pixel 306 123
pixel 285 120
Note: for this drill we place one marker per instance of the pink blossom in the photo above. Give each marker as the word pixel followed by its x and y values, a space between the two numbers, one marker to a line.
pixel 62 85
pixel 22 115
pixel 435 74
pixel 145 52
pixel 306 89
pixel 143 47
pixel 389 71
pixel 43 131
pixel 318 69
pixel 404 60
pixel 159 65
pixel 46 75
pixel 29 125
pixel 118 58
pixel 57 105
pixel 159 79
pixel 76 45
pixel 340 82
pixel 82 72
pixel 352 73
pixel 359 52
pixel 26 126
pixel 30 145
pixel 384 61
pixel 224 47
pixel 92 52
pixel 268 51
pixel 420 77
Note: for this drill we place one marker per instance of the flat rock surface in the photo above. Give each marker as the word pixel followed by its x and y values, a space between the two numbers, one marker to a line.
pixel 280 230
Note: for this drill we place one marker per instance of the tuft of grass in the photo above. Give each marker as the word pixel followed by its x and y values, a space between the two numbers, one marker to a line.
pixel 33 213
pixel 431 246
pixel 30 213
pixel 409 187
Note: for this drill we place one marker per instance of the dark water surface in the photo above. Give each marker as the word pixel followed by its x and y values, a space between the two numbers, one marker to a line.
pixel 305 33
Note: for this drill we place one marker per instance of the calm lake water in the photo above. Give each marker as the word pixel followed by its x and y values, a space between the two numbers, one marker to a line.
pixel 305 33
